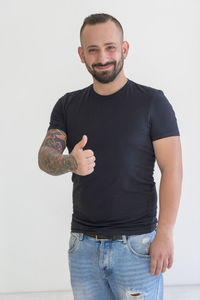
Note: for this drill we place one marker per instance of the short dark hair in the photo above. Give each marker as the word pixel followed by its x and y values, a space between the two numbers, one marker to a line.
pixel 101 18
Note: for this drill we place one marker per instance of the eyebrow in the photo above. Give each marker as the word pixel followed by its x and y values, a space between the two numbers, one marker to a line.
pixel 111 43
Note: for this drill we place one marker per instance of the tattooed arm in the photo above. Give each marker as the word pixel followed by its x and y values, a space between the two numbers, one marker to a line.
pixel 50 157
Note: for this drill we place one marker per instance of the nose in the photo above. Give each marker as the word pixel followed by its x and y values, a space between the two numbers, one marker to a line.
pixel 102 57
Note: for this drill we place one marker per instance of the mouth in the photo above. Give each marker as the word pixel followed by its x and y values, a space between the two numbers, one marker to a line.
pixel 104 67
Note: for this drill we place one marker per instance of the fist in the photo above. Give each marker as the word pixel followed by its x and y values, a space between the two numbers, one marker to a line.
pixel 85 158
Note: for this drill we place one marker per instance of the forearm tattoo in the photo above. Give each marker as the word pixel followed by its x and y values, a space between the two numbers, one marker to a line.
pixel 50 156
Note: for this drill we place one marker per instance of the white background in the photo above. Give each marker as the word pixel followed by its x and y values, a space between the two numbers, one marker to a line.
pixel 39 63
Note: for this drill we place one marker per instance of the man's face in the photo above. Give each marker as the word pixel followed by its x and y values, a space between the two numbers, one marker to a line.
pixel 102 51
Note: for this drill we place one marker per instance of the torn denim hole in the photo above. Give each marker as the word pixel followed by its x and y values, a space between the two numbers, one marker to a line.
pixel 134 295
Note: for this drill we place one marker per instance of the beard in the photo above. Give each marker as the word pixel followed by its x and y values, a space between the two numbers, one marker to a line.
pixel 106 76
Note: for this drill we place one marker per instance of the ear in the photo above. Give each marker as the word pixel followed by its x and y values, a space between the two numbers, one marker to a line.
pixel 125 48
pixel 80 52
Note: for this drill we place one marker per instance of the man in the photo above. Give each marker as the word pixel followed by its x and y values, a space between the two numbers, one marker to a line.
pixel 117 249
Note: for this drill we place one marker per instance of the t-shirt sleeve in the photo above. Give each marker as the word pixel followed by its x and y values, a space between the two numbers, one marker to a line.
pixel 163 122
pixel 58 116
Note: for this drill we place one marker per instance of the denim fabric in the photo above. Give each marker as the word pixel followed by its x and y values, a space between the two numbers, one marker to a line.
pixel 108 270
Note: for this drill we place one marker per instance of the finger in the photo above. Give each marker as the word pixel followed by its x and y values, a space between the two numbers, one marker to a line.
pixel 91 165
pixel 90 168
pixel 164 267
pixel 91 159
pixel 88 153
pixel 153 266
pixel 170 262
pixel 159 267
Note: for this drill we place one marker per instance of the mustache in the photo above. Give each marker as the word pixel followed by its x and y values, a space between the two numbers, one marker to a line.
pixel 100 65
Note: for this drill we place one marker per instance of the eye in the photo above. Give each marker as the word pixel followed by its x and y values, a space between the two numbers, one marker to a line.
pixel 111 47
pixel 92 50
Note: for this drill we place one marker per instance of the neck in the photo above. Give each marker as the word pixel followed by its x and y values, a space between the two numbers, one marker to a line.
pixel 111 87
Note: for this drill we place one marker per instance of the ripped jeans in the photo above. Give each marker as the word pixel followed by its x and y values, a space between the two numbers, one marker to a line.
pixel 113 269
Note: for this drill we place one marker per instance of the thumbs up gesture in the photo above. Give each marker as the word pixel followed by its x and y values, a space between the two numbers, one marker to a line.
pixel 84 158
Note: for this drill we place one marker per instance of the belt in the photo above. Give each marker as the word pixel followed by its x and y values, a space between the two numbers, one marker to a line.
pixel 105 237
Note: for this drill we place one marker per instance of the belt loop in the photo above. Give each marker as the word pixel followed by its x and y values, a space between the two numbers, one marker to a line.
pixel 80 236
pixel 124 238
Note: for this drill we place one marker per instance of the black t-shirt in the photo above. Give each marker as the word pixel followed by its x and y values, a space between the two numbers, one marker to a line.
pixel 119 196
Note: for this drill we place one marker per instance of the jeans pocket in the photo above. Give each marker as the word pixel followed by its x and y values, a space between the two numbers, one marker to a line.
pixel 73 242
pixel 139 244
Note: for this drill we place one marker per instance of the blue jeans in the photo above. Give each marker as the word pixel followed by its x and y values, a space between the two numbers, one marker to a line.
pixel 118 270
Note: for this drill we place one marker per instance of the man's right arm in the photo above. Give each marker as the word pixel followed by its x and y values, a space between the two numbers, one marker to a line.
pixel 50 157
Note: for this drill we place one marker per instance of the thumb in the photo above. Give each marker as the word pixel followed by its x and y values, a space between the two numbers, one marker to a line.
pixel 82 142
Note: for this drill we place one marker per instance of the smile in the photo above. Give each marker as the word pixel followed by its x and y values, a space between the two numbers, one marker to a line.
pixel 104 67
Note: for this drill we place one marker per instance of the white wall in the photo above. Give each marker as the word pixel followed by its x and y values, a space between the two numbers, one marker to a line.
pixel 39 63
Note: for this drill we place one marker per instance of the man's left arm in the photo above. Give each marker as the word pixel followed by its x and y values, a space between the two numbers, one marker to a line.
pixel 168 154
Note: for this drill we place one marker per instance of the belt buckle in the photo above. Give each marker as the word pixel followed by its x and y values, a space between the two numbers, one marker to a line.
pixel 97 239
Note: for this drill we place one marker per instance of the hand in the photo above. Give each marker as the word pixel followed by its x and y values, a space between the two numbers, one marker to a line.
pixel 84 158
pixel 162 252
